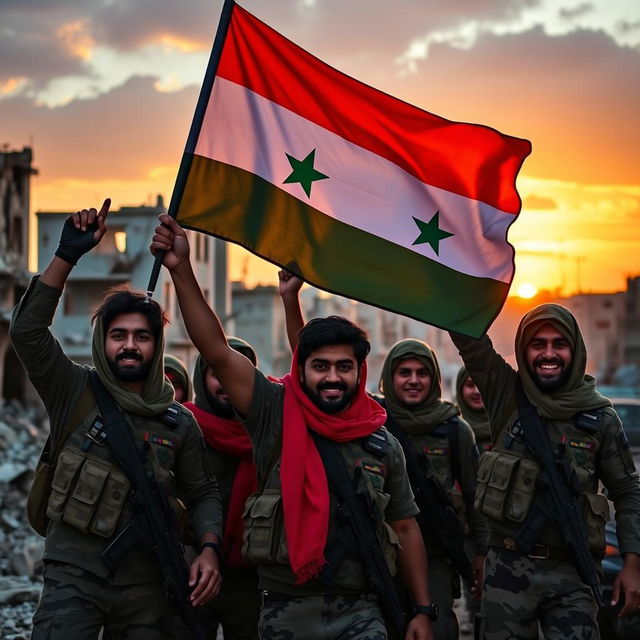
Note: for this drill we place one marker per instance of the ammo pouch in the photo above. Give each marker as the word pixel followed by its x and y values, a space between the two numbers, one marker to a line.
pixel 263 540
pixel 506 486
pixel 87 493
pixel 595 508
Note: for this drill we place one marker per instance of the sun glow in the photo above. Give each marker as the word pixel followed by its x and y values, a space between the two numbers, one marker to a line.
pixel 527 290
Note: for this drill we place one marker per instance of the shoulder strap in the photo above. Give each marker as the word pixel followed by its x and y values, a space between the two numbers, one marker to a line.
pixel 454 453
pixel 82 407
pixel 360 517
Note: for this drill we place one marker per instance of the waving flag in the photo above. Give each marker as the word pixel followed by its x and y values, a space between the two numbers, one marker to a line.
pixel 357 192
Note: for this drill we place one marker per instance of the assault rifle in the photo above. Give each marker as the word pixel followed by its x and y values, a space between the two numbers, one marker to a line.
pixel 154 525
pixel 557 504
pixel 356 509
pixel 437 518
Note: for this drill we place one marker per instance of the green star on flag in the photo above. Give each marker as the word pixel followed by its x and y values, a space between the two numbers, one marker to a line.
pixel 303 172
pixel 431 232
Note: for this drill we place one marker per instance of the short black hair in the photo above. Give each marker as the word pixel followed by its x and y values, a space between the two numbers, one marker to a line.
pixel 123 298
pixel 321 332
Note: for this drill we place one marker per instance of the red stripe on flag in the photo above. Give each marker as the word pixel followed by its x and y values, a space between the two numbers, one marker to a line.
pixel 471 160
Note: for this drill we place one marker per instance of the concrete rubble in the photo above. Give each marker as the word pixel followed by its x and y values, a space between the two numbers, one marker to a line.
pixel 23 432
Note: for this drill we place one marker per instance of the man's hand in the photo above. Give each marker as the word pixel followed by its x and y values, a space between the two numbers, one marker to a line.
pixel 478 577
pixel 628 581
pixel 81 232
pixel 204 577
pixel 289 284
pixel 171 238
pixel 419 628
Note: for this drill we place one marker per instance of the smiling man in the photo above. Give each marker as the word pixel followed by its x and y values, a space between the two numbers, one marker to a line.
pixel 538 581
pixel 444 447
pixel 93 579
pixel 313 576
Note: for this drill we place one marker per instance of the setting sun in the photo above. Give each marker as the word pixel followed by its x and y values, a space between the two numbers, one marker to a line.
pixel 527 290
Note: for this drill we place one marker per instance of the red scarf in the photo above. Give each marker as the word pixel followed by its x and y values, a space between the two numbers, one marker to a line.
pixel 229 437
pixel 305 491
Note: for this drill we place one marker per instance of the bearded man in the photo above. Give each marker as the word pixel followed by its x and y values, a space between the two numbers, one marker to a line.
pixel 92 500
pixel 541 584
pixel 310 589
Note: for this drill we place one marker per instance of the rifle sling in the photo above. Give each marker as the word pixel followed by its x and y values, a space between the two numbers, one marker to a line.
pixel 150 499
pixel 369 548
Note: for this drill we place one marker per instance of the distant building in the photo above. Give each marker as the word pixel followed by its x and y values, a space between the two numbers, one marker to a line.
pixel 123 256
pixel 15 185
pixel 259 319
pixel 632 326
pixel 601 317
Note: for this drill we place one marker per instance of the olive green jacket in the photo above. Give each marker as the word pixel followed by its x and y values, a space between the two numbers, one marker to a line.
pixel 603 456
pixel 178 455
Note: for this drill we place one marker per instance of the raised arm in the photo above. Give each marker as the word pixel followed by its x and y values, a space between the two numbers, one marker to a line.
pixel 82 231
pixel 235 372
pixel 288 288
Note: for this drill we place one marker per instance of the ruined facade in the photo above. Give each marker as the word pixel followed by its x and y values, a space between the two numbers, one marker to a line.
pixel 15 183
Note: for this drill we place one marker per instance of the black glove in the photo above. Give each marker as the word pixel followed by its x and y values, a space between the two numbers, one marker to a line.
pixel 74 243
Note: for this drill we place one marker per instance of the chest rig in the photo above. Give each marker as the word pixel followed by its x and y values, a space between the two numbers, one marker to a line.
pixel 89 491
pixel 264 540
pixel 509 477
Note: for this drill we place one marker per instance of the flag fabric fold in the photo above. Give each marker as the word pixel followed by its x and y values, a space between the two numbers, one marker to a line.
pixel 357 192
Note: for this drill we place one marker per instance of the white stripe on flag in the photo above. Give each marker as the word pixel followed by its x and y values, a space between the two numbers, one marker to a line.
pixel 364 190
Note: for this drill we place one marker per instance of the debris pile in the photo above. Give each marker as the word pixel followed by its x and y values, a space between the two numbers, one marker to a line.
pixel 23 432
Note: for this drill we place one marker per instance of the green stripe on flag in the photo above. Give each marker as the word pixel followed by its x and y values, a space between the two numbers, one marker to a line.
pixel 238 206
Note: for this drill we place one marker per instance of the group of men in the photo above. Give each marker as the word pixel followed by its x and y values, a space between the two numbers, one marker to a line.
pixel 308 507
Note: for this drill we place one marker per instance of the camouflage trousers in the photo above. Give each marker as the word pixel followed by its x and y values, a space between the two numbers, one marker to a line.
pixel 77 604
pixel 235 608
pixel 322 617
pixel 520 592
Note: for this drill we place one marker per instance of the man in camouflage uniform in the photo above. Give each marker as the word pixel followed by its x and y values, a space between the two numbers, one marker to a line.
pixel 90 502
pixel 445 448
pixel 230 455
pixel 291 521
pixel 521 589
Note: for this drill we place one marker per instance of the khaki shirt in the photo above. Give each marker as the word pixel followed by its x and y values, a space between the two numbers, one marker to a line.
pixel 436 459
pixel 387 476
pixel 59 381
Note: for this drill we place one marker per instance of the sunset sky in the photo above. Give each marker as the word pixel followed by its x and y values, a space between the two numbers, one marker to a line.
pixel 104 92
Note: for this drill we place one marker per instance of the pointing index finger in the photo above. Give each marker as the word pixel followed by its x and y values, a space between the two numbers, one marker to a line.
pixel 104 210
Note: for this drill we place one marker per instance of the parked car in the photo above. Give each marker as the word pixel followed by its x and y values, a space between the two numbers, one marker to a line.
pixel 612 627
pixel 629 411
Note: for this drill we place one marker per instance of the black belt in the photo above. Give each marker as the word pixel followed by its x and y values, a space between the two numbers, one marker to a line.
pixel 538 551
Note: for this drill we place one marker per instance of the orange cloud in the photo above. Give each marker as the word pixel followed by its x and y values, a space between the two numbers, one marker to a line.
pixel 11 85
pixel 77 39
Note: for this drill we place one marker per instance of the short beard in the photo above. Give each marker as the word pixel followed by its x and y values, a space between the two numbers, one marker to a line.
pixel 330 406
pixel 220 408
pixel 549 386
pixel 130 374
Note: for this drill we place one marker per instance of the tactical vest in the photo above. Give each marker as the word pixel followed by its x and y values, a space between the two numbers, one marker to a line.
pixel 507 478
pixel 264 540
pixel 89 492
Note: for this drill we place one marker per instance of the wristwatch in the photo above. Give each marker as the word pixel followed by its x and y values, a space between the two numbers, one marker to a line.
pixel 429 610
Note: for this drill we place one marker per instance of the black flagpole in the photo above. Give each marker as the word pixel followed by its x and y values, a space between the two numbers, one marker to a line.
pixel 194 132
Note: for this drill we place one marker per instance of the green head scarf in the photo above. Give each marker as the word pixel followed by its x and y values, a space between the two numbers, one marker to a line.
pixel 423 417
pixel 202 398
pixel 179 369
pixel 578 393
pixel 157 394
pixel 477 418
